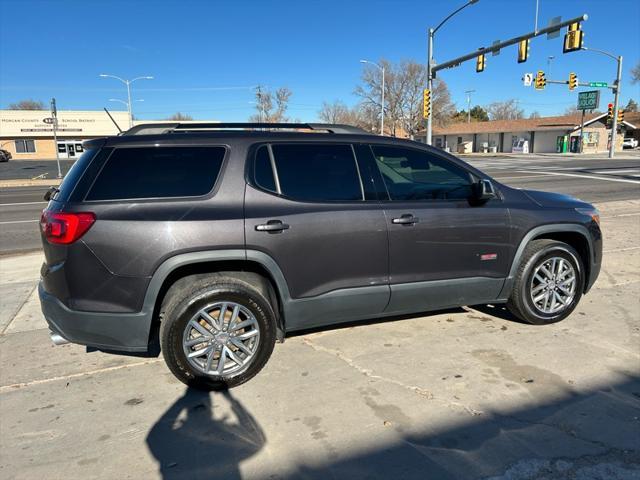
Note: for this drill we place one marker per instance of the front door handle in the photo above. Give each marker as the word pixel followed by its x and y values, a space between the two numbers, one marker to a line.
pixel 272 226
pixel 406 219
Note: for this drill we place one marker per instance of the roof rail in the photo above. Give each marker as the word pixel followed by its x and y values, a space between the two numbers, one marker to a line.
pixel 160 128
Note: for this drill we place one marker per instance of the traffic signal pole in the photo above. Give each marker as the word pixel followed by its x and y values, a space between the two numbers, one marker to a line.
pixel 495 47
pixel 614 123
pixel 429 81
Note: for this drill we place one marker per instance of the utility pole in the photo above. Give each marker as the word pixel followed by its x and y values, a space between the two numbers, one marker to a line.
pixel 54 115
pixel 469 92
pixel 260 104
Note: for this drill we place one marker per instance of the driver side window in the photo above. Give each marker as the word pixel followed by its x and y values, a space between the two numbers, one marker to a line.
pixel 416 175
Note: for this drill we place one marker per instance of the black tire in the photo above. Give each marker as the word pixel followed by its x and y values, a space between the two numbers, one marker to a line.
pixel 190 294
pixel 537 252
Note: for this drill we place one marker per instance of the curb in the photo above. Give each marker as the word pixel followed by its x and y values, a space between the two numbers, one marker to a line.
pixel 30 183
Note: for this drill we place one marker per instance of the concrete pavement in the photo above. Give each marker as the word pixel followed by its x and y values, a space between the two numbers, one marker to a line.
pixel 467 393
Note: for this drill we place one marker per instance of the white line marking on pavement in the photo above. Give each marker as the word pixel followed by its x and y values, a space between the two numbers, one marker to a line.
pixel 21 203
pixel 514 178
pixel 626 171
pixel 621 215
pixel 15 386
pixel 19 221
pixel 621 250
pixel 558 174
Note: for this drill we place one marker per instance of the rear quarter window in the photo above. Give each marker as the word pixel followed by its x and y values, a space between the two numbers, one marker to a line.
pixel 73 176
pixel 158 172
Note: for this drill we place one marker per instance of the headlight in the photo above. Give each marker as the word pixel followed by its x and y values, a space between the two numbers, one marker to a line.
pixel 591 212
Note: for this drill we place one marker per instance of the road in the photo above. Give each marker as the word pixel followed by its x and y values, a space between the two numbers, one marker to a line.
pixel 33 168
pixel 592 180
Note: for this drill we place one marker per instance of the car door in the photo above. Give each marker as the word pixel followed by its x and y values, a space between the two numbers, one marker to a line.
pixel 444 248
pixel 307 208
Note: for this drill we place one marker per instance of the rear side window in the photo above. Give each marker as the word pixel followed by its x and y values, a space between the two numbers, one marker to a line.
pixel 73 176
pixel 158 172
pixel 317 172
pixel 263 172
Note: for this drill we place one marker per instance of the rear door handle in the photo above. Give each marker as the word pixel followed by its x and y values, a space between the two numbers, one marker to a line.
pixel 272 226
pixel 406 219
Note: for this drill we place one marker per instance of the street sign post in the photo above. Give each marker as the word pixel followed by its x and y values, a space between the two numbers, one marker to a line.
pixel 589 100
pixel 599 84
pixel 586 101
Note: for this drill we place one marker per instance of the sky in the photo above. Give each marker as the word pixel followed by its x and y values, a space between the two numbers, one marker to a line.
pixel 207 56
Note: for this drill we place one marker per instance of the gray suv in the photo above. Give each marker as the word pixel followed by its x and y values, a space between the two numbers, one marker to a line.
pixel 212 241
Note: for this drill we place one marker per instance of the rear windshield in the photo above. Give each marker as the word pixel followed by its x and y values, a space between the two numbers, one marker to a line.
pixel 158 172
pixel 73 176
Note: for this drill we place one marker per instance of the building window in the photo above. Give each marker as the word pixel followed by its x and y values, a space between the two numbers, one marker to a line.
pixel 25 146
pixel 459 140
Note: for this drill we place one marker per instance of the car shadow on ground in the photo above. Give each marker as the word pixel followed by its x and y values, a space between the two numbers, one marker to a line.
pixel 565 434
pixel 560 433
pixel 191 441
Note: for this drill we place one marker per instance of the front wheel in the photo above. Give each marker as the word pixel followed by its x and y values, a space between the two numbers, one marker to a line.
pixel 216 332
pixel 548 284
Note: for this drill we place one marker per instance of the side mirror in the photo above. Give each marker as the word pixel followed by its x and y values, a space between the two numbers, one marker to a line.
pixel 485 190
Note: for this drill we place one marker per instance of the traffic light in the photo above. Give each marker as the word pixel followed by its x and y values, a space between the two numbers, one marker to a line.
pixel 523 50
pixel 620 115
pixel 610 111
pixel 573 81
pixel 426 103
pixel 573 38
pixel 480 63
pixel 540 81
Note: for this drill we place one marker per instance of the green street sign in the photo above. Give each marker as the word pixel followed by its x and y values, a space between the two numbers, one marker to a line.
pixel 599 84
pixel 589 100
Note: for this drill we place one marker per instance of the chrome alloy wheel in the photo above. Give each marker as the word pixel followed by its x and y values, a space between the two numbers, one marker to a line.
pixel 221 339
pixel 553 285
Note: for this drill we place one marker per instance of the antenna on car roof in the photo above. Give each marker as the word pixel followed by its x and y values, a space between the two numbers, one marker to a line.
pixel 114 122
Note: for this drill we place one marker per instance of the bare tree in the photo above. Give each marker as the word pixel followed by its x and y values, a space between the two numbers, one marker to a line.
pixel 404 84
pixel 632 106
pixel 635 73
pixel 534 114
pixel 178 116
pixel 271 106
pixel 336 112
pixel 28 104
pixel 507 110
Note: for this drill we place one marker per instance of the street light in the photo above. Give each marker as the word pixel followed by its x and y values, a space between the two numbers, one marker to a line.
pixel 123 102
pixel 432 32
pixel 382 102
pixel 614 122
pixel 128 84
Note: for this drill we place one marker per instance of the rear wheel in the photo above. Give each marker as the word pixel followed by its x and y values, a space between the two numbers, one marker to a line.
pixel 216 331
pixel 549 283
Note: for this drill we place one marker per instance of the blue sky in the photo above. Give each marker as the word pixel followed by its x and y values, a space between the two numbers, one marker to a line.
pixel 206 55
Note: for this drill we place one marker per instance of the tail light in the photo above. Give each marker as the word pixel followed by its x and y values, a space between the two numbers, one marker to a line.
pixel 65 228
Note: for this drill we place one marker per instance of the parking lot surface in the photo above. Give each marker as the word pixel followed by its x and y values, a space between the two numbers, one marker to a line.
pixel 465 393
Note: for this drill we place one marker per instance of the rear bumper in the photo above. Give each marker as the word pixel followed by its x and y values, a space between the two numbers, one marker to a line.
pixel 127 332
